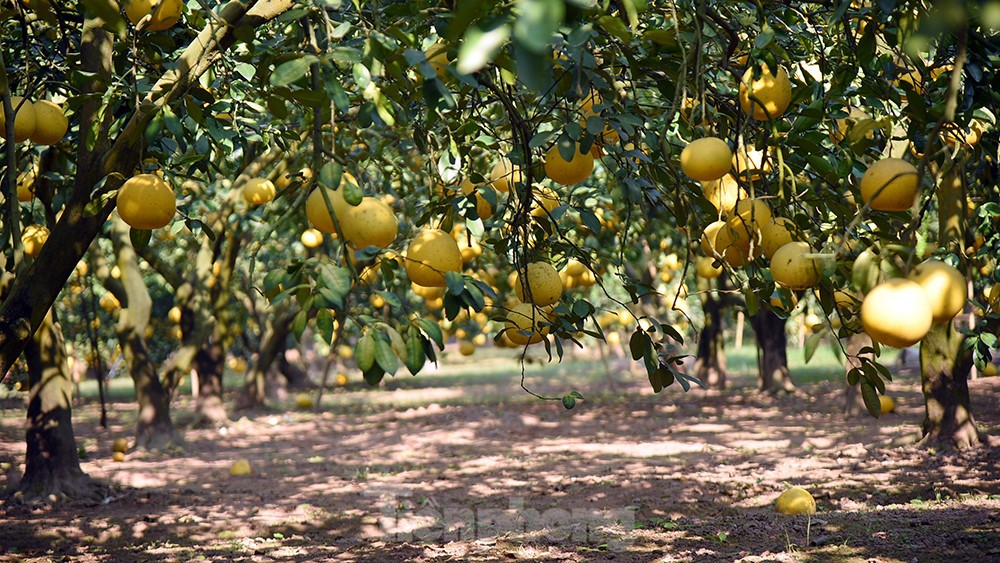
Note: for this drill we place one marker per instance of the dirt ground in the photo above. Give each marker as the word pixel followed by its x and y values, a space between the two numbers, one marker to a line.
pixel 626 476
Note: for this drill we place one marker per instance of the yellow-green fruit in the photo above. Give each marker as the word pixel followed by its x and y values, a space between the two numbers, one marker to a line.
pixel 118 456
pixel 767 96
pixel 50 123
pixel 240 467
pixel 146 201
pixel 575 268
pixel 24 118
pixel 525 324
pixel 709 238
pixel 316 210
pixel 258 191
pixel 311 238
pixel 749 216
pixel 303 401
pixel 33 238
pixel 543 284
pixel 795 500
pixel 723 193
pixel 119 445
pixel 706 159
pixel 467 348
pixel 505 175
pixel 167 13
pixel 483 207
pixel 792 268
pixel 886 404
pixel 705 267
pixel 890 185
pixel 569 172
pixel 431 254
pixel 370 223
pixel 947 290
pixel 776 233
pixel 546 200
pixel 897 313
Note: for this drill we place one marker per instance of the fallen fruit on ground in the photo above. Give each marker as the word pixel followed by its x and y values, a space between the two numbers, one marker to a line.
pixel 886 404
pixel 303 401
pixel 240 467
pixel 795 500
pixel 119 445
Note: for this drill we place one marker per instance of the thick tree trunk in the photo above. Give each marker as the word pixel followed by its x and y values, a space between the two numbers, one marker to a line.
pixel 210 408
pixel 52 466
pixel 772 359
pixel 295 375
pixel 945 368
pixel 154 429
pixel 710 366
pixel 272 346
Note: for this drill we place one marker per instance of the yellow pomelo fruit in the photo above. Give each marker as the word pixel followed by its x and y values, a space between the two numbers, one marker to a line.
pixel 479 340
pixel 33 237
pixel 311 238
pixel 990 370
pixel 377 301
pixel 525 321
pixel 118 456
pixel 240 467
pixel 705 267
pixel 723 193
pixel 946 287
pixel 750 164
pixel 146 201
pixel 304 401
pixel 795 500
pixel 543 284
pixel 258 191
pixel 466 348
pixel 370 223
pixel 318 214
pixel 768 95
pixel 437 55
pixel 505 175
pixel 24 118
pixel 776 233
pixel 167 13
pixel 575 268
pixel 119 445
pixel 174 315
pixel 588 103
pixel 341 379
pixel 109 302
pixel 545 201
pixel 735 247
pixel 845 300
pixel 792 268
pixel 749 215
pixel 897 313
pixel 50 123
pixel 886 404
pixel 483 208
pixel 470 248
pixel 890 185
pixel 709 236
pixel 566 172
pixel 706 159
pixel 430 255
pixel 26 186
pixel 427 292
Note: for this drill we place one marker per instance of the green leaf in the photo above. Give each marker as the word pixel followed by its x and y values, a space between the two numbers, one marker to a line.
pixel 385 357
pixel 537 21
pixel 373 376
pixel 615 27
pixel 107 11
pixel 299 324
pixel 811 344
pixel 324 324
pixel 433 331
pixel 139 237
pixel 353 194
pixel 291 71
pixel 455 282
pixel 639 344
pixel 414 352
pixel 364 352
pixel 870 397
pixel 479 47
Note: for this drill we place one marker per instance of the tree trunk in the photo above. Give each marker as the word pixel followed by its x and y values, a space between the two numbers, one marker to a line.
pixel 710 366
pixel 945 368
pixel 772 359
pixel 52 465
pixel 210 409
pixel 272 346
pixel 295 376
pixel 154 429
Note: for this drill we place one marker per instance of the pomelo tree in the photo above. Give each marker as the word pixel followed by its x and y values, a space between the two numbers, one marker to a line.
pixel 549 133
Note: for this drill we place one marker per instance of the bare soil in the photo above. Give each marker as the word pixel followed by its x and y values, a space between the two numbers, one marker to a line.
pixel 625 476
